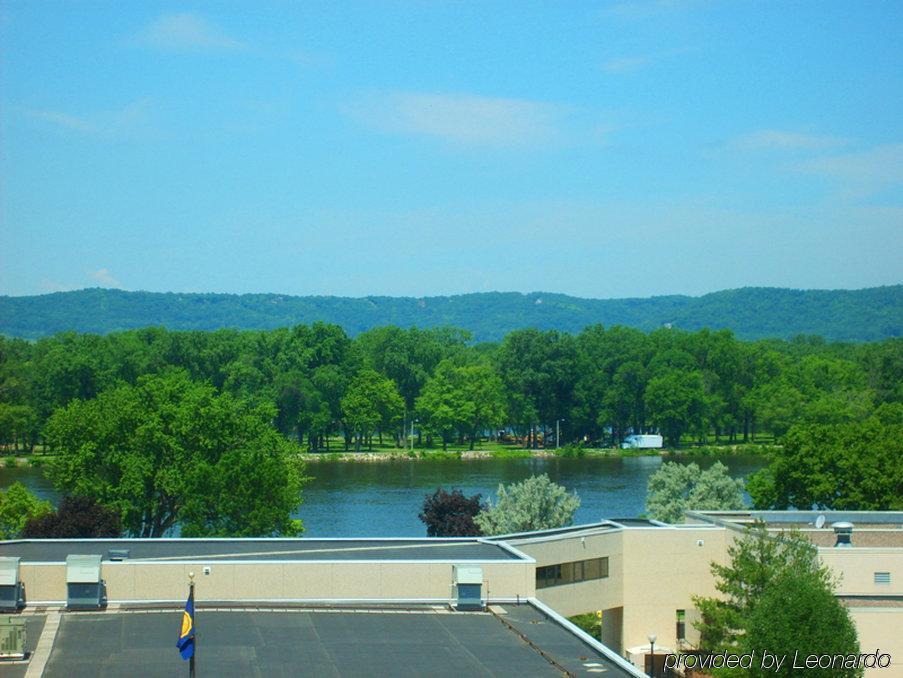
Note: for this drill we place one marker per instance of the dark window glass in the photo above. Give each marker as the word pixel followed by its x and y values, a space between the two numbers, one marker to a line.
pixel 568 573
pixel 603 567
pixel 580 570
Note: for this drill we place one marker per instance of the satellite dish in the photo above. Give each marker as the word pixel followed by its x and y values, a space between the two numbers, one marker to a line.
pixel 820 521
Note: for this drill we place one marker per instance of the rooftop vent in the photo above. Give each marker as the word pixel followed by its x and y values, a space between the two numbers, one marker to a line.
pixel 844 533
pixel 469 586
pixel 119 554
pixel 12 591
pixel 85 589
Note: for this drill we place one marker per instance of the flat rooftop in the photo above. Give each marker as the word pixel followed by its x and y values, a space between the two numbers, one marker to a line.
pixel 442 550
pixel 518 641
pixel 871 529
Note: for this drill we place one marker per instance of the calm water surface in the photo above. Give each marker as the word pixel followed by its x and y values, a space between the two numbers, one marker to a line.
pixel 382 499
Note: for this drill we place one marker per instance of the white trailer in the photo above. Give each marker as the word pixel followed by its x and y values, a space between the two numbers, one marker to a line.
pixel 642 442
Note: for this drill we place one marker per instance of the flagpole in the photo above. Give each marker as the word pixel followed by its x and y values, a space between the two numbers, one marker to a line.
pixel 194 613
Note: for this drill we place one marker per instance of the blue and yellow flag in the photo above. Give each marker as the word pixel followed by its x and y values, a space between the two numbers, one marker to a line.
pixel 186 635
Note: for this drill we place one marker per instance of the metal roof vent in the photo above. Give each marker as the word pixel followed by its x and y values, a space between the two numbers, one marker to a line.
pixel 117 555
pixel 844 533
pixel 86 590
pixel 469 585
pixel 12 592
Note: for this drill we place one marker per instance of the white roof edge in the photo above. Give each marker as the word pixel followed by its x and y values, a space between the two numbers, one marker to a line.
pixel 610 654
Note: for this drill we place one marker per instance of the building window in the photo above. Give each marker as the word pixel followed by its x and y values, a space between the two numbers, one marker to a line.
pixel 571 573
pixel 681 625
pixel 882 577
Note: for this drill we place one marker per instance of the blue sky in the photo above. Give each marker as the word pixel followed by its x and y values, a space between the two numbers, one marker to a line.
pixel 598 149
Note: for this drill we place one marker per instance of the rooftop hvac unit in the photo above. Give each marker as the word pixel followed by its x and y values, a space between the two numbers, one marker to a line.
pixel 86 590
pixel 12 638
pixel 469 587
pixel 12 591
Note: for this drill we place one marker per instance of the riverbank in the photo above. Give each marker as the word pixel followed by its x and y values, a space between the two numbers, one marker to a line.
pixel 570 452
pixel 495 452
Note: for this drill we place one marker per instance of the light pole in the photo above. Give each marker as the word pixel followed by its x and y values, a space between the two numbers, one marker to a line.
pixel 652 652
pixel 558 433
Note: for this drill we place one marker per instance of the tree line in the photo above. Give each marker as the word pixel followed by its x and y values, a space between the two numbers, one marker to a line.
pixel 317 383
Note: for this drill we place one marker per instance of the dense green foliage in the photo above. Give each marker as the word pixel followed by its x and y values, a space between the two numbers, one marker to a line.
pixel 17 506
pixel 597 386
pixel 533 504
pixel 798 612
pixel 676 488
pixel 171 451
pixel 753 313
pixel 450 514
pixel 776 596
pixel 851 466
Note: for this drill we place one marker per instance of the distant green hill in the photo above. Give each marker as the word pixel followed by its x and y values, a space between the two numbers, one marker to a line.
pixel 752 312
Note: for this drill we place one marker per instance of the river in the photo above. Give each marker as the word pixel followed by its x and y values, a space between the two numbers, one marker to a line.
pixel 382 499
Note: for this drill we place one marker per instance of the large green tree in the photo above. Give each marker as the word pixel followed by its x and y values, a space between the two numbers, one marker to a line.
pixel 536 503
pixel 844 467
pixel 371 404
pixel 775 595
pixel 170 451
pixel 17 507
pixel 676 488
pixel 675 401
pixel 466 399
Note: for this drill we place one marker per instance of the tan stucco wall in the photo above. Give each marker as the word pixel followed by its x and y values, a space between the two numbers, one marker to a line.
pixel 664 569
pixel 589 596
pixel 652 574
pixel 276 581
pixel 881 629
pixel 856 567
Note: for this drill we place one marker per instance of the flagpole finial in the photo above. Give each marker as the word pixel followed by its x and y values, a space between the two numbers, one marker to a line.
pixel 191 577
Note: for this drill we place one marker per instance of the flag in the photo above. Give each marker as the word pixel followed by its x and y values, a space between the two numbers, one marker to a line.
pixel 186 635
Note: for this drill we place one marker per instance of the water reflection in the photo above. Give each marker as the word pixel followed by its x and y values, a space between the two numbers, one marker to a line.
pixel 383 499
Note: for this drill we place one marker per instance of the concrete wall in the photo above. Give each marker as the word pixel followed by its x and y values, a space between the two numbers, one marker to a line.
pixel 136 582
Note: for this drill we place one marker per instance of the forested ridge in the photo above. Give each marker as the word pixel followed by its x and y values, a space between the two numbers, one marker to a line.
pixel 313 382
pixel 751 313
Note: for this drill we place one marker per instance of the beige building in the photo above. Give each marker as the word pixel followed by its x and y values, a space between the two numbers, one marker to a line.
pixel 641 574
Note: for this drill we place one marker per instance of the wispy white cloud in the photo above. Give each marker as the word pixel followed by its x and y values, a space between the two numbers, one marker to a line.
pixel 118 121
pixel 861 173
pixel 186 31
pixel 64 120
pixel 105 278
pixel 626 64
pixel 307 60
pixel 771 139
pixel 463 119
pixel 630 63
